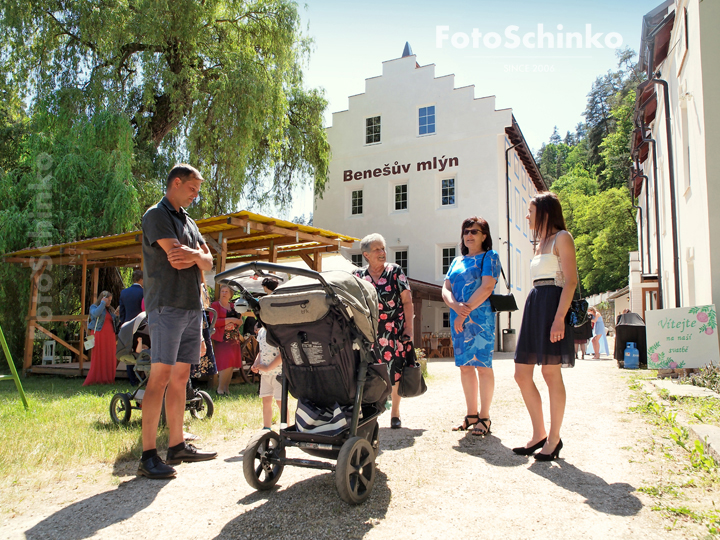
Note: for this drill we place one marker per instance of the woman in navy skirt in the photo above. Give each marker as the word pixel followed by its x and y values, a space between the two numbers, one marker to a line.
pixel 545 338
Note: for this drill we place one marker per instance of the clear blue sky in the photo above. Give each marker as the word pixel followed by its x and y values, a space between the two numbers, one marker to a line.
pixel 545 87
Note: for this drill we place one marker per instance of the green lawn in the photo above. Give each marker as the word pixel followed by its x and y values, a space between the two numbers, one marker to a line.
pixel 69 426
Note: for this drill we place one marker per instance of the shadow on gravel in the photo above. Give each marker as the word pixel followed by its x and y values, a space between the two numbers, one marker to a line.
pixel 397 439
pixel 86 518
pixel 308 509
pixel 615 499
pixel 489 448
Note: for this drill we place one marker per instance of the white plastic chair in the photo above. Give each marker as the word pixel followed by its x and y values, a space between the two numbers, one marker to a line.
pixel 49 352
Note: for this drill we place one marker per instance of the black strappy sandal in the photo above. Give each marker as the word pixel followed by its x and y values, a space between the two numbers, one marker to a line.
pixel 486 423
pixel 467 424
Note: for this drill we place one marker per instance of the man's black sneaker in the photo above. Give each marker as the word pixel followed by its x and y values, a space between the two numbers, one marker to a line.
pixel 154 467
pixel 188 454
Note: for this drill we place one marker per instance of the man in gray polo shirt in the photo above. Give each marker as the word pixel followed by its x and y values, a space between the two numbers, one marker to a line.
pixel 174 254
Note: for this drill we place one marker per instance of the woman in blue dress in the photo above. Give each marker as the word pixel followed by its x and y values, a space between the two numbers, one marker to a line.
pixel 468 285
pixel 599 342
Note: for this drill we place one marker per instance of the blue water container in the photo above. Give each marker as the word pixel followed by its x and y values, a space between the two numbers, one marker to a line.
pixel 632 356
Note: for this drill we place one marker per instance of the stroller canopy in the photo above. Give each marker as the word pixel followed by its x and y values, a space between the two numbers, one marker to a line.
pixel 125 340
pixel 291 303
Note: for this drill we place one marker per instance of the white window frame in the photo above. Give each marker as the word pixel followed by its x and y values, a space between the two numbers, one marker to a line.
pixel 405 250
pixel 362 202
pixel 407 197
pixel 441 248
pixel 434 124
pixel 366 126
pixel 455 192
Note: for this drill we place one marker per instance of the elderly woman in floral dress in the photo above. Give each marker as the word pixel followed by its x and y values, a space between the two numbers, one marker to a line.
pixel 395 326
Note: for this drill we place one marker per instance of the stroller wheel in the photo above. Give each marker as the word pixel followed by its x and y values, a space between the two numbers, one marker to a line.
pixel 120 409
pixel 202 408
pixel 262 460
pixel 355 471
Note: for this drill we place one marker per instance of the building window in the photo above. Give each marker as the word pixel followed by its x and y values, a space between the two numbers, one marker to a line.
pixel 401 259
pixel 372 130
pixel 357 203
pixel 401 197
pixel 427 120
pixel 448 254
pixel 446 319
pixel 357 260
pixel 447 192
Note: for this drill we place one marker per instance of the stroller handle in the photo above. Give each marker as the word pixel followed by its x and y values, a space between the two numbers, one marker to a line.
pixel 211 311
pixel 258 267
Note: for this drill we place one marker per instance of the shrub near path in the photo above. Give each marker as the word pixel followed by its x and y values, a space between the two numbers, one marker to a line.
pixel 431 481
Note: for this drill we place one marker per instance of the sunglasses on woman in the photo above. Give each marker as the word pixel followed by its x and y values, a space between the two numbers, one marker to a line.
pixel 471 231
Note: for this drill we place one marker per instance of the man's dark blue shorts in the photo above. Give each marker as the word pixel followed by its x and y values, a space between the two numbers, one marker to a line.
pixel 175 335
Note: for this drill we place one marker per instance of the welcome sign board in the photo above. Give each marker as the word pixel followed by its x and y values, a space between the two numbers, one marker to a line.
pixel 682 337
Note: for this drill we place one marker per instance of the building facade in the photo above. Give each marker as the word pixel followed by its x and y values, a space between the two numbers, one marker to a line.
pixel 676 177
pixel 412 157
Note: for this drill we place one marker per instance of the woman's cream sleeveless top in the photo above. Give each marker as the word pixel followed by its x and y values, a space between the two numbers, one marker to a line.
pixel 547 265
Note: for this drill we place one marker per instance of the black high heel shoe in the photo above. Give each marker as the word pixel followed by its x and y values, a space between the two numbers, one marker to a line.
pixel 552 455
pixel 522 451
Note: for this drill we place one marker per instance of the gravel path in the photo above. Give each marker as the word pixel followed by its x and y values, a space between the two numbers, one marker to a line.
pixel 431 482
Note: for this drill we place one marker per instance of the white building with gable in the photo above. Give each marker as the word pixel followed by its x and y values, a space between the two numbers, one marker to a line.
pixel 412 157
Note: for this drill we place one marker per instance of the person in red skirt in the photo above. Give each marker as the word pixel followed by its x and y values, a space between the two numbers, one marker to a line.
pixel 103 361
pixel 227 349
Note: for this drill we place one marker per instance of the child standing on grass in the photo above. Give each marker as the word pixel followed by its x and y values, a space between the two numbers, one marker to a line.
pixel 269 364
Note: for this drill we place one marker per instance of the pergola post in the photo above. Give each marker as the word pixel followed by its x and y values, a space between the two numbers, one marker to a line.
pixel 273 253
pixel 95 282
pixel 317 256
pixel 32 312
pixel 83 287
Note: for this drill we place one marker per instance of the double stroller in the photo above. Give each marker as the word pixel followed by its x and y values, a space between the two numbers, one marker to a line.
pixel 325 326
pixel 133 348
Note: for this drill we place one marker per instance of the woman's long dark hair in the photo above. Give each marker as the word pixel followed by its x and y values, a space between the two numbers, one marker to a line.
pixel 484 228
pixel 548 214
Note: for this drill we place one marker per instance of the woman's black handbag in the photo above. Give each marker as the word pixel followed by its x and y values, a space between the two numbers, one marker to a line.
pixel 577 315
pixel 116 324
pixel 411 383
pixel 501 302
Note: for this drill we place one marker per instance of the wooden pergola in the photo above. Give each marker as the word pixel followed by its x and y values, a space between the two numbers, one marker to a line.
pixel 232 238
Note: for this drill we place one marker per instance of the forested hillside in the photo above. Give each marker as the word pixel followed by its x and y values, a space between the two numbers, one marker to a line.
pixel 589 170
